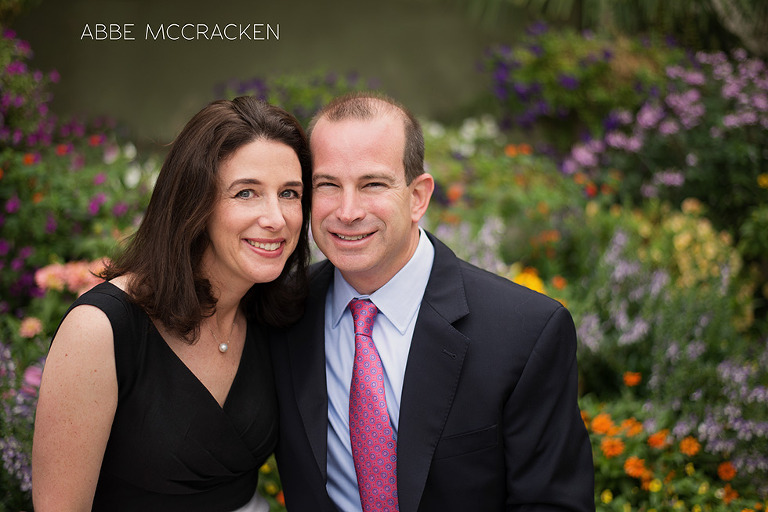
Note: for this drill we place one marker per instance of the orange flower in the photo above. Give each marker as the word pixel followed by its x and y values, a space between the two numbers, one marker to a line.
pixel 689 446
pixel 659 439
pixel 62 149
pixel 606 189
pixel 602 423
pixel 451 218
pixel 525 149
pixel 455 191
pixel 730 494
pixel 37 197
pixel 726 471
pixel 632 427
pixel 559 282
pixel 590 190
pixel 634 467
pixel 632 379
pixel 612 447
pixel 280 498
pixel 511 150
pixel 2 172
pixel 29 159
pixel 585 419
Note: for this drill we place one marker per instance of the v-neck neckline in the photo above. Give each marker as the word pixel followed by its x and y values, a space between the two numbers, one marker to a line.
pixel 155 333
pixel 187 370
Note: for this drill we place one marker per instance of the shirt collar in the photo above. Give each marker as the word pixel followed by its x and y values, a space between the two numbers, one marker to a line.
pixel 399 299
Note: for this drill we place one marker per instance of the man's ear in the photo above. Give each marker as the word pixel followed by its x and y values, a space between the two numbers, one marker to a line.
pixel 421 192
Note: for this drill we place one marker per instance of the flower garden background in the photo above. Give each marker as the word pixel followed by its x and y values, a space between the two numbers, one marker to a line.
pixel 627 178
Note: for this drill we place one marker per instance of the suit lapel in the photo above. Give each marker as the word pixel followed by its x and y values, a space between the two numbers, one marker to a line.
pixel 307 360
pixel 431 376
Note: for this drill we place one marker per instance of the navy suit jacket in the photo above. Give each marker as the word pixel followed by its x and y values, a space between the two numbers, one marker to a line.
pixel 489 419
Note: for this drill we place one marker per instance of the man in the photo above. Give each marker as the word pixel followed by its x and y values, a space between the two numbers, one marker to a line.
pixel 474 383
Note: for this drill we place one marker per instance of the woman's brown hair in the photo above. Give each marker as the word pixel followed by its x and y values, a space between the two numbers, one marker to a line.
pixel 164 255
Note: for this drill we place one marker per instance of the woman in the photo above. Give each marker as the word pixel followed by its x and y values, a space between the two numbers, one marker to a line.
pixel 157 393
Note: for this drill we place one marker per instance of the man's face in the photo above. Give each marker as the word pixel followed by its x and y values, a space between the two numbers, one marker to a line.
pixel 364 215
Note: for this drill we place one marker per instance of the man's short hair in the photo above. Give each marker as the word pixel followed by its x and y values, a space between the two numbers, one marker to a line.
pixel 369 105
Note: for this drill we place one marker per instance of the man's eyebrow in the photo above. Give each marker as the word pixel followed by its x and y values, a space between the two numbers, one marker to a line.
pixel 322 177
pixel 365 177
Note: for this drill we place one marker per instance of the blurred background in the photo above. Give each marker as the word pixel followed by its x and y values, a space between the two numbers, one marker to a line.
pixel 612 155
pixel 424 52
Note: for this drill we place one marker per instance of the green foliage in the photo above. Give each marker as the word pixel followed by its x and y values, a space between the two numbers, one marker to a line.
pixel 67 190
pixel 563 83
pixel 300 94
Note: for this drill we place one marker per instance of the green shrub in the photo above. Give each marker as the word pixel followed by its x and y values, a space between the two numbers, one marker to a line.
pixel 564 83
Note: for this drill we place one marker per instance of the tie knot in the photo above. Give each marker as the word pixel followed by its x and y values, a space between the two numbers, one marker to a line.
pixel 363 314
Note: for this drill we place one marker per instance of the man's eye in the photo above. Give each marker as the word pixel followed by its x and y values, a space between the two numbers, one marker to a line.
pixel 324 184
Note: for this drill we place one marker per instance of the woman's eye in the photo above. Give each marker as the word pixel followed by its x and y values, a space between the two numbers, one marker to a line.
pixel 245 194
pixel 290 194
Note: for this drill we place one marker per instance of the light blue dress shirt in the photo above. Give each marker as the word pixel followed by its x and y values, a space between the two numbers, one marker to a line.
pixel 398 302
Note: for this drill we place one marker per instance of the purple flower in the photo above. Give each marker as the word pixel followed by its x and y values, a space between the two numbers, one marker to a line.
pixel 649 116
pixel 616 140
pixel 583 156
pixel 536 50
pixel 760 102
pixel 537 28
pixel 568 82
pixel 17 264
pixel 669 127
pixel 4 247
pixel 13 204
pixel 694 78
pixel 16 68
pixel 50 224
pixel 569 166
pixel 120 209
pixel 96 202
pixel 99 179
pixel 26 252
pixel 669 178
pixel 634 143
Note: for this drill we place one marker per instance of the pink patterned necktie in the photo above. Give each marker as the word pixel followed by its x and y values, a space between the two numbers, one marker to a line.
pixel 373 442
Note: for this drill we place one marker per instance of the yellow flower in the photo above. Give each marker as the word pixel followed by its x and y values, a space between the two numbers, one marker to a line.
pixel 627 507
pixel 529 278
pixel 606 496
pixel 696 508
pixel 271 488
pixel 655 485
pixel 703 488
pixel 762 180
pixel 689 469
pixel 266 468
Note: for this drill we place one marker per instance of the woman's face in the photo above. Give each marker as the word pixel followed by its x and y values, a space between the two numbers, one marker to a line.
pixel 256 221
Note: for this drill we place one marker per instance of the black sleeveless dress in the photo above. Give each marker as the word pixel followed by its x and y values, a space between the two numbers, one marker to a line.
pixel 172 447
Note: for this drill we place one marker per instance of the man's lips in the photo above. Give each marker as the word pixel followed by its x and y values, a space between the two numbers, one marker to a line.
pixel 352 238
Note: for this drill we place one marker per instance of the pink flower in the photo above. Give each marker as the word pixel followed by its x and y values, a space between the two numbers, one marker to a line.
pixel 51 277
pixel 32 377
pixel 99 178
pixel 30 327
